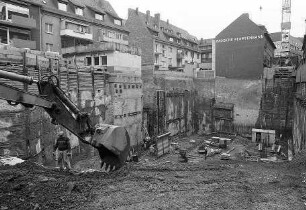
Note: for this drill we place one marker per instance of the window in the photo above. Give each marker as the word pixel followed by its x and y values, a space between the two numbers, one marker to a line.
pixel 62 6
pixel 156 47
pixel 198 55
pixel 104 60
pixel 164 53
pixel 49 28
pixel 81 29
pixel 118 36
pixel 99 16
pixel 79 11
pixel 156 59
pixel 96 61
pixel 162 28
pixel 170 49
pixel 171 39
pixel 49 47
pixel 88 61
pixel 118 22
pixel 170 61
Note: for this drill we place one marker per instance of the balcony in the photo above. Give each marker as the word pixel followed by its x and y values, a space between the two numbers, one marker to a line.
pixel 76 34
pixel 107 39
pixel 100 47
pixel 21 43
pixel 206 60
pixel 19 21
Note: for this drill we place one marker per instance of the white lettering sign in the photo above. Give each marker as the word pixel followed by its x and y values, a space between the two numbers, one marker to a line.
pixel 237 39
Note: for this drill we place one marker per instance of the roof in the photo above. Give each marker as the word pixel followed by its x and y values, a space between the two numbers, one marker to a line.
pixel 99 6
pixel 277 36
pixel 176 31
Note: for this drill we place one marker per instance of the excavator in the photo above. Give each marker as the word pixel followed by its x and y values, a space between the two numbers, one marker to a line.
pixel 112 142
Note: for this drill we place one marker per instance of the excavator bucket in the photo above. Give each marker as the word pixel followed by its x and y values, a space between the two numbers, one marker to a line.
pixel 113 144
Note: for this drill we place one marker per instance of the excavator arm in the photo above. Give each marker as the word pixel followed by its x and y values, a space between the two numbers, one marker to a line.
pixel 112 142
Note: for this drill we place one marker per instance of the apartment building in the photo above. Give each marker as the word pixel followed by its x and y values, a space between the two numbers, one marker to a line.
pixel 19 24
pixel 164 45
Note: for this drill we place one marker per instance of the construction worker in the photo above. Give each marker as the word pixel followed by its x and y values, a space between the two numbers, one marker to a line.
pixel 64 151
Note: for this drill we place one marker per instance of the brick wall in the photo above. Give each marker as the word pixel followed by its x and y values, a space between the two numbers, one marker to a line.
pixel 140 37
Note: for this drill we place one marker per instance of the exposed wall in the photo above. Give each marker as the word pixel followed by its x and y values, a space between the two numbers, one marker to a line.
pixel 299 121
pixel 244 94
pixel 140 37
pixel 188 100
pixel 240 50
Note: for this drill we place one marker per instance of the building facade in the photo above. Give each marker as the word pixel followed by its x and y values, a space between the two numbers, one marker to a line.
pixel 243 49
pixel 295 52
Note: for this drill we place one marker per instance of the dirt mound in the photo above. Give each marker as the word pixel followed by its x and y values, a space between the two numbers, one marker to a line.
pixel 30 186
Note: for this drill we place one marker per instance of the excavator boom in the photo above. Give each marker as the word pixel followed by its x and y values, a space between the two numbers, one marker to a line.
pixel 112 142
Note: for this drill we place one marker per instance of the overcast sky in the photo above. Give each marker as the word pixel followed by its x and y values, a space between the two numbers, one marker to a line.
pixel 206 18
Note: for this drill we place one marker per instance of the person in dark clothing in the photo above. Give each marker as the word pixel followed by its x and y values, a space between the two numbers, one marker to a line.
pixel 63 154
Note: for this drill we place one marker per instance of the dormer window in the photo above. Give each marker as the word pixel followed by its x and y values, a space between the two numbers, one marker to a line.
pixel 62 6
pixel 79 11
pixel 118 22
pixel 171 39
pixel 155 26
pixel 162 28
pixel 99 16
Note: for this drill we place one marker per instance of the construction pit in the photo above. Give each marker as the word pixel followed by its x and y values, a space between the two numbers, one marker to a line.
pixel 162 183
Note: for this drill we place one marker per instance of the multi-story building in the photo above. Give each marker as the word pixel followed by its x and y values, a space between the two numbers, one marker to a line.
pixel 207 66
pixel 163 44
pixel 206 50
pixel 243 49
pixel 295 52
pixel 19 24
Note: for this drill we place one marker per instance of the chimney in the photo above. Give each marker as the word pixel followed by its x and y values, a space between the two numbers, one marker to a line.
pixel 167 21
pixel 246 15
pixel 305 26
pixel 157 19
pixel 148 16
pixel 137 10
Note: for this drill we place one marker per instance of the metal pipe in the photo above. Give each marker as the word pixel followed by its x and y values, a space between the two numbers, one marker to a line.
pixel 17 77
pixel 61 95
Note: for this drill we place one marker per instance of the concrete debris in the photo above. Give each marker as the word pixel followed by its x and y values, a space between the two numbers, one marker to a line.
pixel 225 156
pixel 10 161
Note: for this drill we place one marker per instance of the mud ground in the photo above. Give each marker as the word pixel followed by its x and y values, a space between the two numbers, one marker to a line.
pixel 163 183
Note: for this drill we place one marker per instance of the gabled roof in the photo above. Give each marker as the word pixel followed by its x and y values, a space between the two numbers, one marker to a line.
pixel 99 6
pixel 242 21
pixel 167 26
